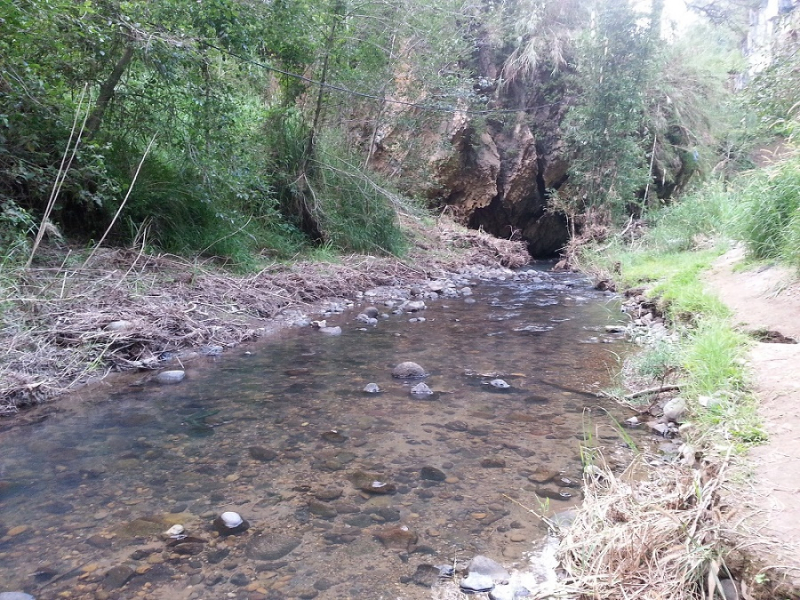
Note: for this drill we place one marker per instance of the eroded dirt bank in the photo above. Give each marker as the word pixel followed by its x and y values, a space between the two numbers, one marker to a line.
pixel 64 324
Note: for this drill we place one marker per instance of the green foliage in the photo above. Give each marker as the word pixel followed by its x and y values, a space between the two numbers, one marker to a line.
pixel 707 214
pixel 16 226
pixel 770 213
pixel 609 165
pixel 357 212
pixel 235 163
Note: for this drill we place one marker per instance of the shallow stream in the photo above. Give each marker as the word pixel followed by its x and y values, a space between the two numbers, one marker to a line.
pixel 283 433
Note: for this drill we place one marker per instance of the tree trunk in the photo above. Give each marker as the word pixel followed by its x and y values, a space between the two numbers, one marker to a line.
pixel 107 92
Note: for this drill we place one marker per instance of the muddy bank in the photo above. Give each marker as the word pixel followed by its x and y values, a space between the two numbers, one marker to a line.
pixel 65 324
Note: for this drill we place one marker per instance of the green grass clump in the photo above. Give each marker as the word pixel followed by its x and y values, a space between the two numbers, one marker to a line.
pixel 713 357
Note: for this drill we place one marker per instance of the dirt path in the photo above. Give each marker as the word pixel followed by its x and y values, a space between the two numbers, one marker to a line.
pixel 768 298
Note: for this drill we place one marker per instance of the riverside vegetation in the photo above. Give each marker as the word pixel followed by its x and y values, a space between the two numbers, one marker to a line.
pixel 138 125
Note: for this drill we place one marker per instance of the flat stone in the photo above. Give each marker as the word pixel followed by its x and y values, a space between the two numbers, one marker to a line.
pixel 16 596
pixel 475 583
pixel 483 565
pixel 270 546
pixel 117 576
pixel 432 474
pixel 426 575
pixel 397 538
pixel 262 454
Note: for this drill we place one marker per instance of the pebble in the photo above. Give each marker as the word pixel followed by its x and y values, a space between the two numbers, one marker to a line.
pixel 372 388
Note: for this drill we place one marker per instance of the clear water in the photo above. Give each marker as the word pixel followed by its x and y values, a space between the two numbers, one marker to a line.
pixel 282 433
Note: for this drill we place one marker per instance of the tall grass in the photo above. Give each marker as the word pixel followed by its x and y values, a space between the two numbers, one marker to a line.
pixel 769 220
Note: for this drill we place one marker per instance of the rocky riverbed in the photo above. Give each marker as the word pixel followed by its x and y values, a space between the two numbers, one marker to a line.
pixel 346 493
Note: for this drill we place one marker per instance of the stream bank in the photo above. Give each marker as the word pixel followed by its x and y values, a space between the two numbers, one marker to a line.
pixel 737 455
pixel 66 323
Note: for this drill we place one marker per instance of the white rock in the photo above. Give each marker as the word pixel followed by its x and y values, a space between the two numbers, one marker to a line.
pixel 120 325
pixel 15 596
pixel 675 409
pixel 476 582
pixel 231 519
pixel 174 376
pixel 175 530
pixel 500 384
pixel 414 306
pixel 331 330
pixel 421 389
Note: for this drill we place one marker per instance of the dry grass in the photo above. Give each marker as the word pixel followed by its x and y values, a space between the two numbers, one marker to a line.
pixel 54 317
pixel 659 538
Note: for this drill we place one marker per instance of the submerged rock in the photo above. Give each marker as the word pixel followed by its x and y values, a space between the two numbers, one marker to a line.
pixel 173 376
pixel 483 565
pixel 408 370
pixel 334 437
pixel 432 474
pixel 270 546
pixel 262 454
pixel 397 538
pixel 230 523
pixel 372 388
pixel 15 596
pixel 117 576
pixel 426 575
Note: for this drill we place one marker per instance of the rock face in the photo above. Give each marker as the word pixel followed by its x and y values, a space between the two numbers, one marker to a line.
pixel 496 178
pixel 498 173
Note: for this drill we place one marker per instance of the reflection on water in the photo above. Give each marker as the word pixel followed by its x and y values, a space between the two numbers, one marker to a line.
pixel 285 435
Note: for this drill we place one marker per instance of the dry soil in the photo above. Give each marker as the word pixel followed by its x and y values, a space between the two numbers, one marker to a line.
pixel 767 299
